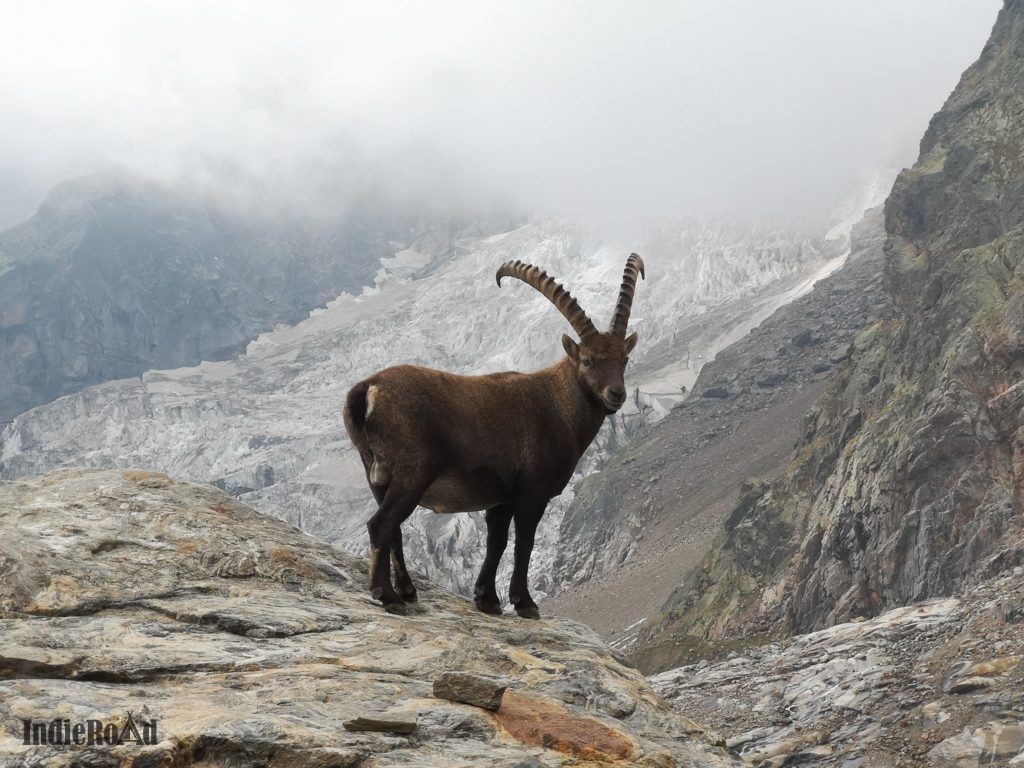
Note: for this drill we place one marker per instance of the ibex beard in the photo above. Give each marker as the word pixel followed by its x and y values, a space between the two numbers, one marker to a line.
pixel 506 442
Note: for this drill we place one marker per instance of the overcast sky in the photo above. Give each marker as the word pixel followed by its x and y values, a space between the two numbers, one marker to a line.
pixel 759 107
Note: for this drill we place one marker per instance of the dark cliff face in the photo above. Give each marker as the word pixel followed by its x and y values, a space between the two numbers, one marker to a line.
pixel 112 277
pixel 909 479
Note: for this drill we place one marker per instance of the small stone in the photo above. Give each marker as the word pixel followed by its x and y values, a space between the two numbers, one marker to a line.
pixel 772 378
pixel 386 724
pixel 821 367
pixel 716 392
pixel 969 684
pixel 479 691
pixel 839 354
pixel 805 338
pixel 533 762
pixel 714 738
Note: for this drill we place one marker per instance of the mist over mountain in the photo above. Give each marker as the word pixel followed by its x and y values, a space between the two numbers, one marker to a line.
pixel 617 112
pixel 115 275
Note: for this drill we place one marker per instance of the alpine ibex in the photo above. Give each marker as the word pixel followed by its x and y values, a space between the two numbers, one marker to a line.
pixel 505 442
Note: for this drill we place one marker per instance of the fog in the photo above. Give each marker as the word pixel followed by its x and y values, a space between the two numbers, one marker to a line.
pixel 612 109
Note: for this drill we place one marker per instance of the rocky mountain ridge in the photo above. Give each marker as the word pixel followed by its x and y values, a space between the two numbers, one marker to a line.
pixel 247 642
pixel 909 482
pixel 113 276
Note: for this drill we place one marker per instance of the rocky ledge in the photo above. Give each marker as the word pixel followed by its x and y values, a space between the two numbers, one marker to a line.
pixel 246 642
pixel 936 684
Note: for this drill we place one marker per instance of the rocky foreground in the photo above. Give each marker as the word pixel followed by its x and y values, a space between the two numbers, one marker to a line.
pixel 251 643
pixel 938 684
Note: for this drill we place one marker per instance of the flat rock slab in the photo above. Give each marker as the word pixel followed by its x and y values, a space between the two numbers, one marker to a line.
pixel 971 684
pixel 480 691
pixel 384 724
pixel 248 642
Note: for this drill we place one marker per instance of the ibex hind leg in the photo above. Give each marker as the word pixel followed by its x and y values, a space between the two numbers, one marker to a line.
pixel 396 504
pixel 403 582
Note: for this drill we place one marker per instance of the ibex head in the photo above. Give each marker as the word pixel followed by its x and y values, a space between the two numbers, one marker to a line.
pixel 599 358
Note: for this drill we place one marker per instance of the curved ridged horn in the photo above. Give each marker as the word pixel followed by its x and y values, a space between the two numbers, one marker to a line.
pixel 553 291
pixel 620 319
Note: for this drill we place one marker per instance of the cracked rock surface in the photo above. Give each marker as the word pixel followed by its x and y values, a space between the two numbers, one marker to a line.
pixel 251 643
pixel 934 684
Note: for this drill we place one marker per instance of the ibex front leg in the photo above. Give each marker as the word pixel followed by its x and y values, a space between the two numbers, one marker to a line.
pixel 527 517
pixel 485 594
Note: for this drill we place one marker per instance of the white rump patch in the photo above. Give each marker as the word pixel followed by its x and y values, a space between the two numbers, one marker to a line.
pixel 371 399
pixel 379 474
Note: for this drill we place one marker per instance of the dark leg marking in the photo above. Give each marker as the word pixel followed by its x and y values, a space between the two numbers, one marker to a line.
pixel 403 582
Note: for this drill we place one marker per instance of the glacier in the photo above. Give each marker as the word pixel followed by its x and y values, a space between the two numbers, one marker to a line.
pixel 267 427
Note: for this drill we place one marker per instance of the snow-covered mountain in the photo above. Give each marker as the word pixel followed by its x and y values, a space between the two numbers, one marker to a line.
pixel 267 425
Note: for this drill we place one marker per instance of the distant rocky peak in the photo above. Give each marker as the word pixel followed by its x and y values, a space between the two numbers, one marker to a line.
pixel 907 483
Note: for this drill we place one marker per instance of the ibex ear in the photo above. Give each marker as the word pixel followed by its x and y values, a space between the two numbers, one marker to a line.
pixel 572 349
pixel 631 341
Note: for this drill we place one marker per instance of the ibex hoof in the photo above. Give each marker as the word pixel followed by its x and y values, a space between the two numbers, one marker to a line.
pixel 528 611
pixel 492 607
pixel 399 609
pixel 410 596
